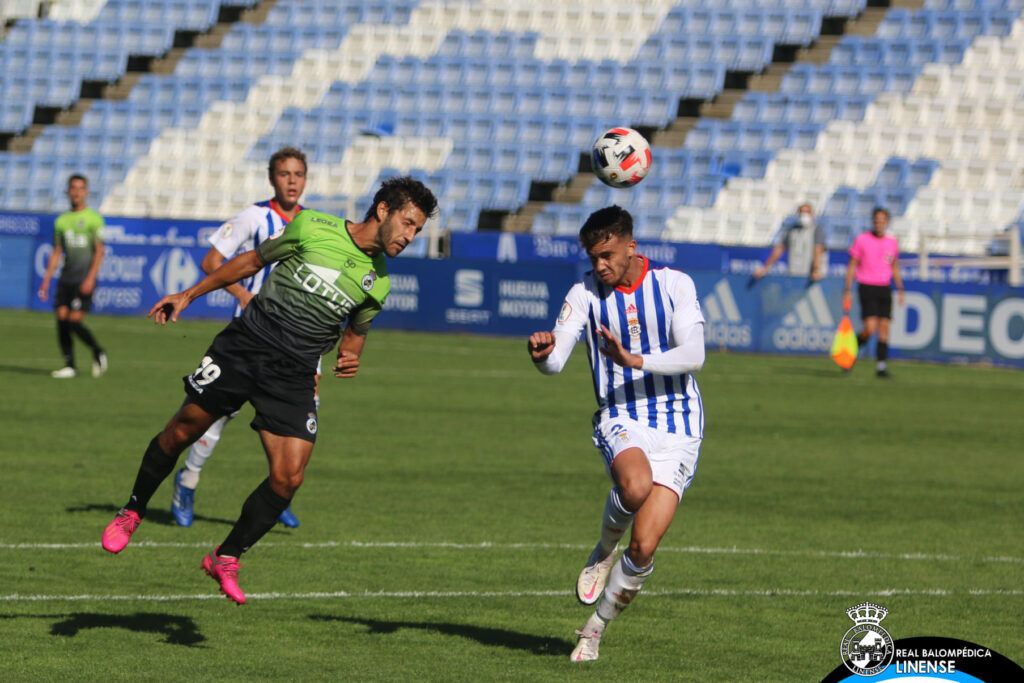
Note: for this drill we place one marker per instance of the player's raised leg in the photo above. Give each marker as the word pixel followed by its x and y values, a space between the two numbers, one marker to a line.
pixel 628 575
pixel 287 457
pixel 614 523
pixel 157 463
pixel 187 478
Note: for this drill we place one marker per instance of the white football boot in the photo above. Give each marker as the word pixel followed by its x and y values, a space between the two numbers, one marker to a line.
pixel 66 372
pixel 594 576
pixel 586 647
pixel 99 366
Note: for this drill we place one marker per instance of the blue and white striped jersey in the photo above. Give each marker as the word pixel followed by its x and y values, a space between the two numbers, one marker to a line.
pixel 659 313
pixel 246 231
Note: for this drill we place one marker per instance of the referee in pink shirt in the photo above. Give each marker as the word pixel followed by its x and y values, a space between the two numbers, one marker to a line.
pixel 874 261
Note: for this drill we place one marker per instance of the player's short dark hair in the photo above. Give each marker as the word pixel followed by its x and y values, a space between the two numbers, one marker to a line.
pixel 396 192
pixel 77 176
pixel 286 153
pixel 880 209
pixel 603 223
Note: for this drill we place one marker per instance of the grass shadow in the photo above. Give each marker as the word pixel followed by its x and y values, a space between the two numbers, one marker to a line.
pixel 494 637
pixel 153 515
pixel 22 370
pixel 176 630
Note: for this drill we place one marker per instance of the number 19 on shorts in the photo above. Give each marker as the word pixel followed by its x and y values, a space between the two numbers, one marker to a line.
pixel 207 372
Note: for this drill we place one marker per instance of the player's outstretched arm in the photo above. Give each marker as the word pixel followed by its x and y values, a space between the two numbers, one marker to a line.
pixel 540 346
pixel 349 350
pixel 171 306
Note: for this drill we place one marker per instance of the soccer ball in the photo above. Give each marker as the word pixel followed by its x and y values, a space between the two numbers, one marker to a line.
pixel 622 157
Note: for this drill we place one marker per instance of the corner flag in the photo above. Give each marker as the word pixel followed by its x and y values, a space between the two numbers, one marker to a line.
pixel 844 345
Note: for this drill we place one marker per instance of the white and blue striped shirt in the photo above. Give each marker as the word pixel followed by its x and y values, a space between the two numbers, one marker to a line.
pixel 246 231
pixel 659 314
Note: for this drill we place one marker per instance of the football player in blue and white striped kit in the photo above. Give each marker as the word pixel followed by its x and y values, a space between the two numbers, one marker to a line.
pixel 645 339
pixel 252 227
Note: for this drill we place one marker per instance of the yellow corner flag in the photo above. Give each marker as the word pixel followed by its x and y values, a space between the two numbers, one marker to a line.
pixel 844 345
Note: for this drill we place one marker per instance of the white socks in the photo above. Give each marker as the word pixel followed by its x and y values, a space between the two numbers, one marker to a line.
pixel 624 582
pixel 201 451
pixel 615 522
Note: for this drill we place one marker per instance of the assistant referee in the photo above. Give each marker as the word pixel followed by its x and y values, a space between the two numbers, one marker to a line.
pixel 874 261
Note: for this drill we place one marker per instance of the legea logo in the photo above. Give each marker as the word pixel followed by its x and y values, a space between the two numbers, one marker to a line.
pixel 469 288
pixel 173 271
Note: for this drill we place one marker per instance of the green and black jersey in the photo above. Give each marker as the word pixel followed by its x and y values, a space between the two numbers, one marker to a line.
pixel 77 233
pixel 321 283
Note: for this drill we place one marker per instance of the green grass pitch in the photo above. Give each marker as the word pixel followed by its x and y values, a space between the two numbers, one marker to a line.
pixel 454 494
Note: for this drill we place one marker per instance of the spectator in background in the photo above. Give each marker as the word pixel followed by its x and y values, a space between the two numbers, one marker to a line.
pixel 874 261
pixel 804 239
pixel 78 237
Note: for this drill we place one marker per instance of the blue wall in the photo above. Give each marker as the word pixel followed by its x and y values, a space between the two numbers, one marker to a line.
pixel 514 285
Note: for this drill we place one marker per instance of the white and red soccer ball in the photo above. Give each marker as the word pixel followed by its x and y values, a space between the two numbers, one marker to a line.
pixel 621 157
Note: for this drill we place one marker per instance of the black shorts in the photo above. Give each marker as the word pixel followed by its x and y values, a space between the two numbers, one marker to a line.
pixel 240 367
pixel 875 301
pixel 70 296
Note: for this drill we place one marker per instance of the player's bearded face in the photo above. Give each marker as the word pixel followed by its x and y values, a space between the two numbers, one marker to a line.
pixel 399 228
pixel 611 259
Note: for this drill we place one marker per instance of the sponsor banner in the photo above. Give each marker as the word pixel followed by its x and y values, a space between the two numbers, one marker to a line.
pixel 134 277
pixel 28 224
pixel 734 260
pixel 15 265
pixel 522 291
pixel 474 296
pixel 942 322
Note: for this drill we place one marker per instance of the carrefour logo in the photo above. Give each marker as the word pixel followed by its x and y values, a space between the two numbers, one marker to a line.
pixel 173 272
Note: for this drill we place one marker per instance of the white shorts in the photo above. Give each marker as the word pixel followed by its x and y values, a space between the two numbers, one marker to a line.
pixel 673 457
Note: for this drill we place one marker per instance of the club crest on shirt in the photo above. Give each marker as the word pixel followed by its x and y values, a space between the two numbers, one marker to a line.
pixel 632 321
pixel 227 228
pixel 368 280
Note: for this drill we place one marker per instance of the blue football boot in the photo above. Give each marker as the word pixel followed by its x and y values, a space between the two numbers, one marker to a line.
pixel 182 502
pixel 288 518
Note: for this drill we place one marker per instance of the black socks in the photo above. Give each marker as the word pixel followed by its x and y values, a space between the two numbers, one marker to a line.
pixel 85 335
pixel 259 515
pixel 64 338
pixel 155 467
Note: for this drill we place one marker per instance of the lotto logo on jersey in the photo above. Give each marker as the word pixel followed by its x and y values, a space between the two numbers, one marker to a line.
pixel 320 280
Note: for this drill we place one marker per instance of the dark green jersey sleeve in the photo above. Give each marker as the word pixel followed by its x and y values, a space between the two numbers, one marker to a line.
pixel 284 244
pixel 359 320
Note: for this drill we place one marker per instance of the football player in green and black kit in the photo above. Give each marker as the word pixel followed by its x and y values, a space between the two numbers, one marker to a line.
pixel 78 236
pixel 330 276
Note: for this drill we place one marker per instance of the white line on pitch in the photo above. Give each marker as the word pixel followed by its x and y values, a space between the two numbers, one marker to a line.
pixel 486 545
pixel 684 592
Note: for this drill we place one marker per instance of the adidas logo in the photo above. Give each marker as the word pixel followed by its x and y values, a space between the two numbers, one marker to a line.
pixel 726 326
pixel 811 310
pixel 720 305
pixel 809 326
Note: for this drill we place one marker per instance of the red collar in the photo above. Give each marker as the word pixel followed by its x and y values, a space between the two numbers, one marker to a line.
pixel 277 209
pixel 639 281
